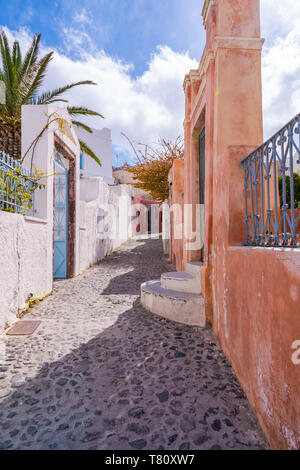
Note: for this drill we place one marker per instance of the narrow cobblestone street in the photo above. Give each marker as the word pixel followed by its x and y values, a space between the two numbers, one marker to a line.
pixel 102 373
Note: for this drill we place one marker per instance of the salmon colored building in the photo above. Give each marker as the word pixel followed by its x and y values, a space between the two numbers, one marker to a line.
pixel 244 278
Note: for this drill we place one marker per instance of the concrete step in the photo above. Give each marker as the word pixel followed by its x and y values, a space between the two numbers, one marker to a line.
pixel 177 306
pixel 181 282
pixel 194 268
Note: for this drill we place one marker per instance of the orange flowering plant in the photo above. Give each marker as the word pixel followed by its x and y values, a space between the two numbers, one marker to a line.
pixel 152 165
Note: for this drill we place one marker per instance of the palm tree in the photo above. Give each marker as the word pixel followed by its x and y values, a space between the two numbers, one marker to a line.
pixel 23 78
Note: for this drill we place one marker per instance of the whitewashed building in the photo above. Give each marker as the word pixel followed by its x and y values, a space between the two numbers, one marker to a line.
pixel 101 144
pixel 77 219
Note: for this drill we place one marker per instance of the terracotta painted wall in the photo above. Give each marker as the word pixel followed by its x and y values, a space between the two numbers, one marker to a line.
pixel 252 295
pixel 256 312
pixel 257 318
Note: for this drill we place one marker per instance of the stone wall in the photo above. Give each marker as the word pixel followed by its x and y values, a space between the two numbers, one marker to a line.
pixel 25 271
pixel 105 219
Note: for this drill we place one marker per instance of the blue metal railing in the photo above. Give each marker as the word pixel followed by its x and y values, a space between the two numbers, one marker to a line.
pixel 15 186
pixel 272 189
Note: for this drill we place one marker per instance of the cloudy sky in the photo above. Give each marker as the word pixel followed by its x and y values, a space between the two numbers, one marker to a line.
pixel 138 52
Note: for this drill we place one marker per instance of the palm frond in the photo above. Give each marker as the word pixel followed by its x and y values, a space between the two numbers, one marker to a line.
pixel 16 55
pixel 73 110
pixel 31 56
pixel 7 63
pixel 86 149
pixel 39 77
pixel 23 77
pixel 82 125
pixel 49 95
pixel 9 74
pixel 56 100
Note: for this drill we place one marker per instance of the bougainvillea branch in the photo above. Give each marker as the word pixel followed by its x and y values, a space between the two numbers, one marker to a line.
pixel 152 165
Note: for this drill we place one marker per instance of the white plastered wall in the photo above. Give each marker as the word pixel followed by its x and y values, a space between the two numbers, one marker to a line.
pixel 26 243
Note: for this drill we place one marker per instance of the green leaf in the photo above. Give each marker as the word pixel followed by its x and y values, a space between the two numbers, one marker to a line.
pixel 49 95
pixel 17 57
pixel 23 78
pixel 31 58
pixel 73 110
pixel 86 149
pixel 6 58
pixel 83 126
pixel 39 77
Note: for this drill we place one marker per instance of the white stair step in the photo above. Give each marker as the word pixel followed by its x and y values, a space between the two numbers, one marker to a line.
pixel 177 306
pixel 181 282
pixel 194 268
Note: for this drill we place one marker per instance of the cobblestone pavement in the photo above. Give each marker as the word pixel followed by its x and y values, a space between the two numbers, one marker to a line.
pixel 102 373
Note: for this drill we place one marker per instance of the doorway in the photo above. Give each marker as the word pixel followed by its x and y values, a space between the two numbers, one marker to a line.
pixel 149 220
pixel 60 217
pixel 202 188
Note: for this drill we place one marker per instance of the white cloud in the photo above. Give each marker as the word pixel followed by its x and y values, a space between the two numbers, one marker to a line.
pixel 23 35
pixel 145 107
pixel 278 18
pixel 82 17
pixel 280 62
pixel 76 41
pixel 152 104
pixel 281 68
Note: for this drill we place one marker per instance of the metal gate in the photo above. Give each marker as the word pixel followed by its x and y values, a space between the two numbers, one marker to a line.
pixel 60 219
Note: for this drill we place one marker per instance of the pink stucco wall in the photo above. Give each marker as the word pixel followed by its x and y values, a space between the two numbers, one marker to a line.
pixel 251 294
pixel 177 214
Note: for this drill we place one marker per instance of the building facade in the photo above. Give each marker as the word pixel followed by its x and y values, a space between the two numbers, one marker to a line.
pixel 146 213
pixel 101 144
pixel 245 266
pixel 74 222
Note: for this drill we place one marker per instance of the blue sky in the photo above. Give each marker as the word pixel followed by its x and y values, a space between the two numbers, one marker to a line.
pixel 138 52
pixel 127 29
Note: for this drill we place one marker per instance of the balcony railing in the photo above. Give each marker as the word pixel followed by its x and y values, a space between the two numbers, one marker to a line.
pixel 16 185
pixel 272 190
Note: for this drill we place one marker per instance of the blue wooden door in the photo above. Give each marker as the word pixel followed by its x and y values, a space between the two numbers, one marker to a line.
pixel 60 219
